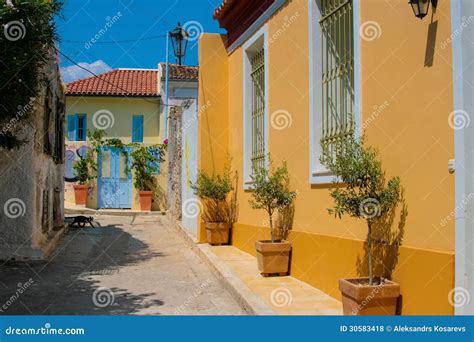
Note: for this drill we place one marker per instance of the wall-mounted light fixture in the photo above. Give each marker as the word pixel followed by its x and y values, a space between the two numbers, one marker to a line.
pixel 420 7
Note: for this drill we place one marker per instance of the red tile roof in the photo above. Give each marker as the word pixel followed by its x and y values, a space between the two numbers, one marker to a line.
pixel 181 72
pixel 220 11
pixel 120 82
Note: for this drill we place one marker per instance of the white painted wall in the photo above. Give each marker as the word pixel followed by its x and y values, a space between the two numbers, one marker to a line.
pixel 189 164
pixel 463 74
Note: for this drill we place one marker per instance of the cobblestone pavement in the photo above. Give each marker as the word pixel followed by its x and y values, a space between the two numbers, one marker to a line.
pixel 128 266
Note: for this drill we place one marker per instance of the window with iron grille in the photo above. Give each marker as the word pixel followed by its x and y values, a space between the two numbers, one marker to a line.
pixel 257 63
pixel 337 58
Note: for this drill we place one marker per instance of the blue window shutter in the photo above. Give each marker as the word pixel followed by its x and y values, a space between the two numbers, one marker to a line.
pixel 71 127
pixel 85 127
pixel 137 128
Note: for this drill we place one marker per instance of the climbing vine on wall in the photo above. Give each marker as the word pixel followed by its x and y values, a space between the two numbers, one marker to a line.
pixel 27 36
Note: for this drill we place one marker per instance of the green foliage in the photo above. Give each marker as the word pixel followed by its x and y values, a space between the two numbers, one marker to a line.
pixel 28 35
pixel 364 192
pixel 213 190
pixel 86 168
pixel 270 191
pixel 144 160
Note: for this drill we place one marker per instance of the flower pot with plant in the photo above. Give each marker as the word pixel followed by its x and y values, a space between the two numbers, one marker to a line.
pixel 213 191
pixel 145 161
pixel 361 191
pixel 270 192
pixel 85 169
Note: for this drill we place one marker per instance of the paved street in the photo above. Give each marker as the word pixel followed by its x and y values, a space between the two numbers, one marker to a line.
pixel 128 266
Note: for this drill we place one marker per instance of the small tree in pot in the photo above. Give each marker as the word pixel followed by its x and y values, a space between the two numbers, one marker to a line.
pixel 218 214
pixel 145 161
pixel 270 192
pixel 365 195
pixel 85 169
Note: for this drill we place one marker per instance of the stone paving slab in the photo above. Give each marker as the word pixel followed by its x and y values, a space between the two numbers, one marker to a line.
pixel 283 295
pixel 129 266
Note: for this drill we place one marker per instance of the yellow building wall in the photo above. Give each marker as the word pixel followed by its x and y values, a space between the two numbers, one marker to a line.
pixel 122 110
pixel 411 132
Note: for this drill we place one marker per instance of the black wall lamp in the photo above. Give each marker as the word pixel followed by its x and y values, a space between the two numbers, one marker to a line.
pixel 421 7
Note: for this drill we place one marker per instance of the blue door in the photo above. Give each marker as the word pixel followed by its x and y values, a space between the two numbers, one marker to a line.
pixel 114 182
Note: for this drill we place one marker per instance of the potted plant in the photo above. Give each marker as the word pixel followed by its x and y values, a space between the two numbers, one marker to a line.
pixel 82 173
pixel 365 195
pixel 85 169
pixel 270 192
pixel 213 190
pixel 145 161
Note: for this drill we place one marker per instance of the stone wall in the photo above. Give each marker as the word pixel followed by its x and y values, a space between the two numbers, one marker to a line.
pixel 32 178
pixel 174 162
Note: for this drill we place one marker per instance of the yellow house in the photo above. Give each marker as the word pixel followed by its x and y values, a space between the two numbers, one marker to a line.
pixel 300 62
pixel 126 104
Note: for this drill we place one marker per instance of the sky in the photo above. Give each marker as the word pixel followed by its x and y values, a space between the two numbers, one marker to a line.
pixel 101 35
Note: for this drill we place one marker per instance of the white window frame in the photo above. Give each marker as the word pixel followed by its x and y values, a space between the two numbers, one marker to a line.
pixel 318 174
pixel 256 42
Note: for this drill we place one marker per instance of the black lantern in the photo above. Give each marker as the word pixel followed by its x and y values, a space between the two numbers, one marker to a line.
pixel 420 7
pixel 179 38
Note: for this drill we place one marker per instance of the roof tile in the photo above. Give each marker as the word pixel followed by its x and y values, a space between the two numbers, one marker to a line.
pixel 120 82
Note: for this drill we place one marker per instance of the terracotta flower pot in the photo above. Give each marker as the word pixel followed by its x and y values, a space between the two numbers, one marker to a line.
pixel 273 257
pixel 80 193
pixel 217 232
pixel 146 198
pixel 359 298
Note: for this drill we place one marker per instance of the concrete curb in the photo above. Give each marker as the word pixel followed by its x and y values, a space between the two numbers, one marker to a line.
pixel 110 212
pixel 249 301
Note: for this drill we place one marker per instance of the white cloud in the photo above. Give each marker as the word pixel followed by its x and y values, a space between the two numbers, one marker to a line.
pixel 73 72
